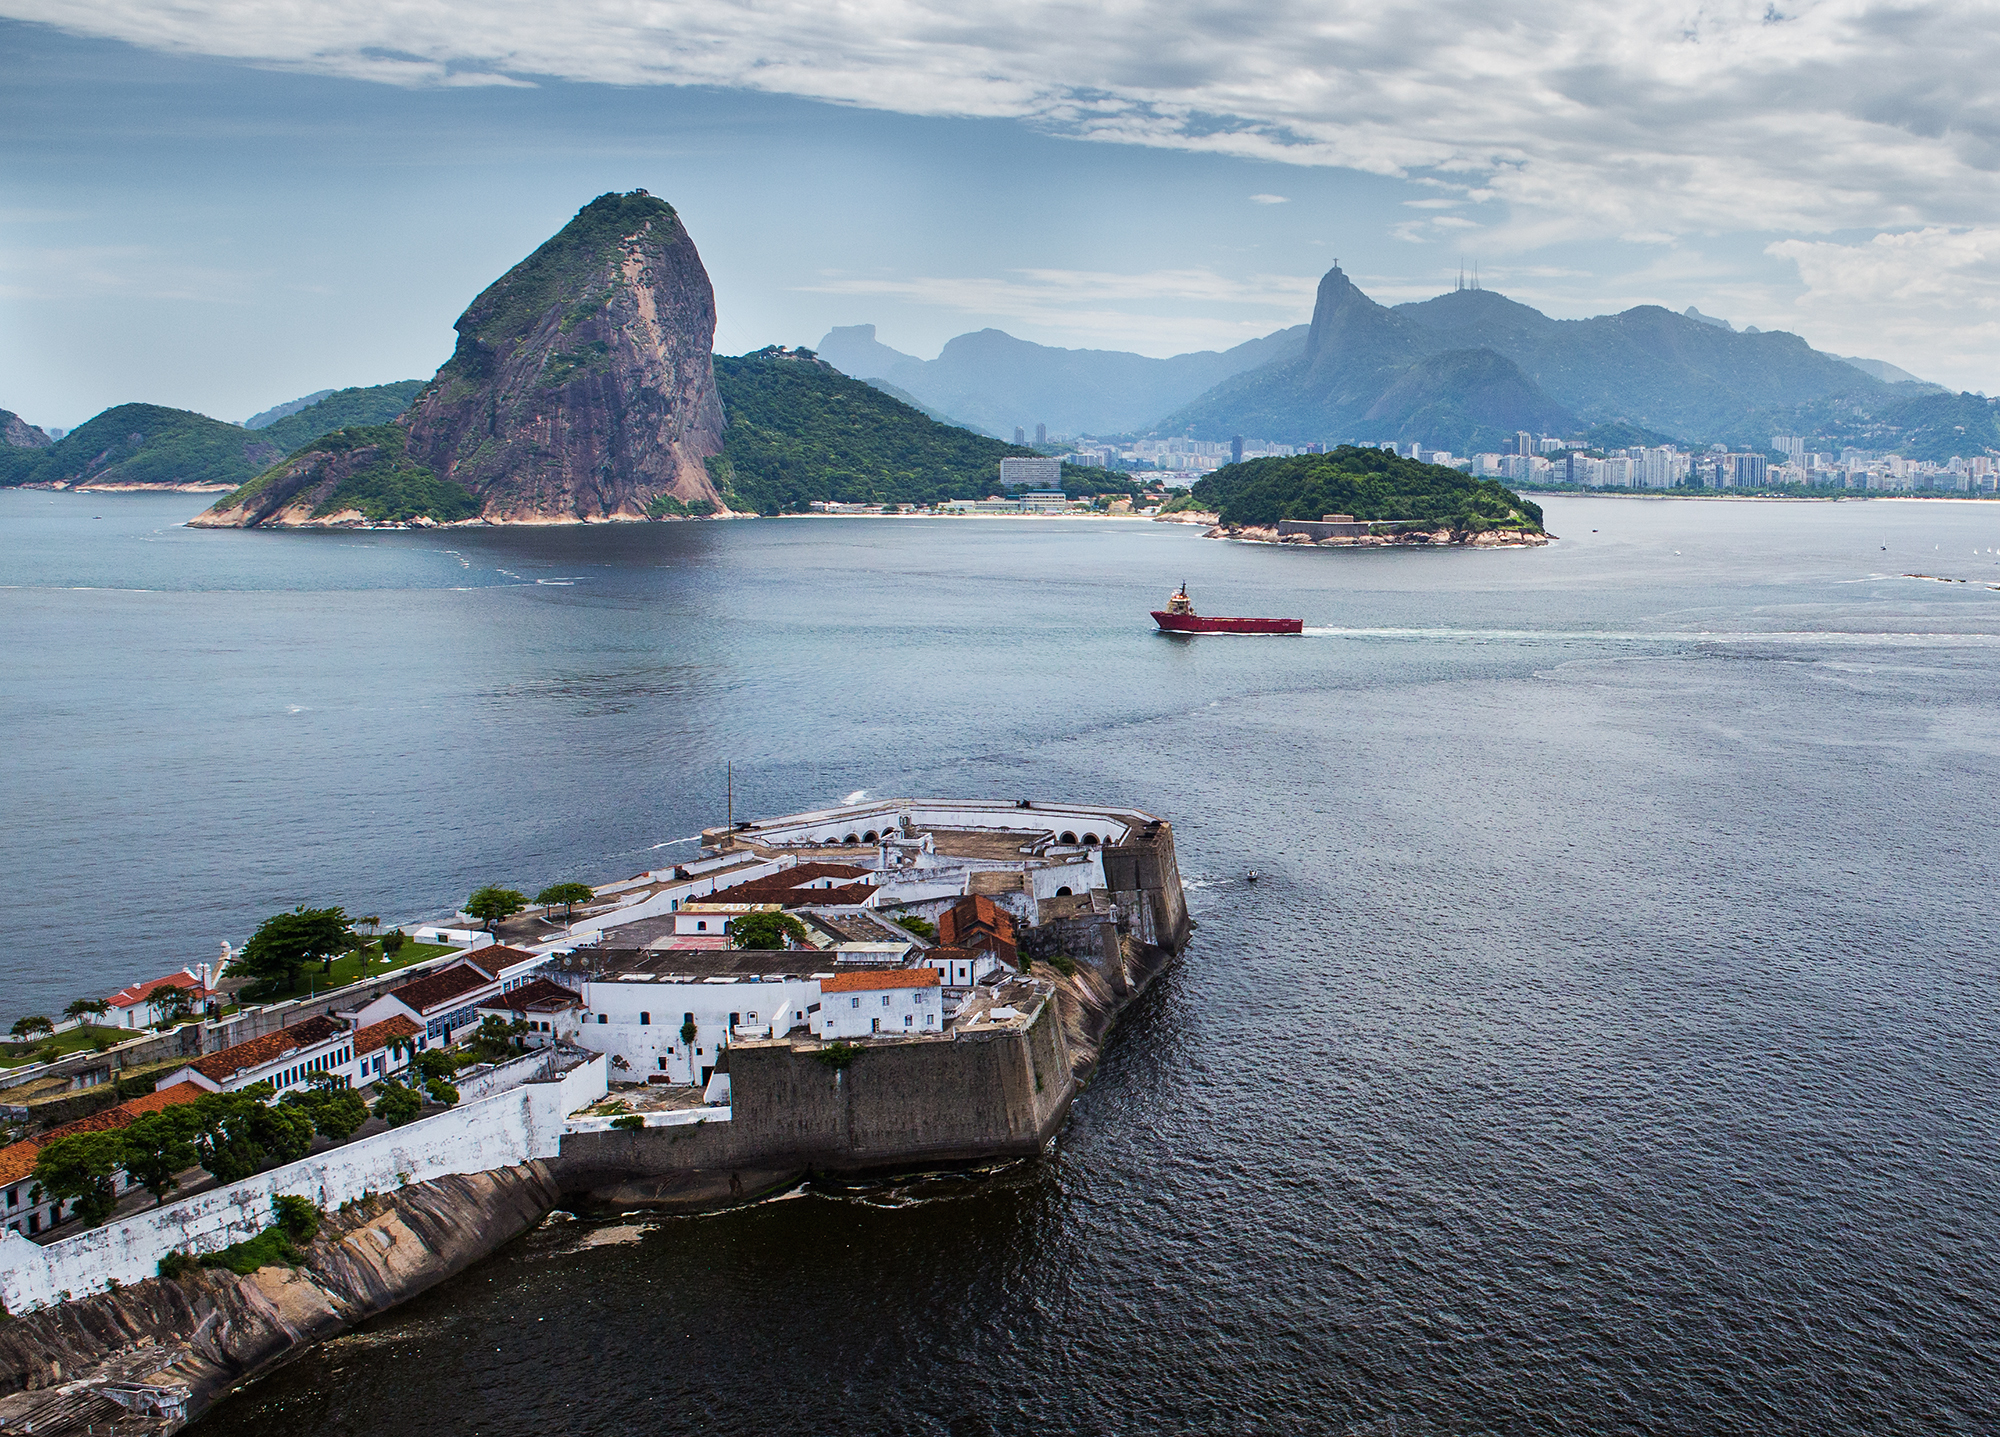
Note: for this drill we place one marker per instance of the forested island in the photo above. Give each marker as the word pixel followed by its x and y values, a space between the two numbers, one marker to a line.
pixel 1386 498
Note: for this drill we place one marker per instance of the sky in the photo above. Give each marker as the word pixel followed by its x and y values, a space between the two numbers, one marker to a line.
pixel 223 204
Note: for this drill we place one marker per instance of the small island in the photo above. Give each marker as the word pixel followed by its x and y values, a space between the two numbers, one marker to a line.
pixel 1353 498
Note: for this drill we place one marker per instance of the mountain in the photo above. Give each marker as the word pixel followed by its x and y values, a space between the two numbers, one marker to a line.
pixel 337 409
pixel 800 430
pixel 143 446
pixel 1649 366
pixel 1886 372
pixel 18 433
pixel 1372 373
pixel 270 416
pixel 1367 483
pixel 1938 425
pixel 998 382
pixel 582 386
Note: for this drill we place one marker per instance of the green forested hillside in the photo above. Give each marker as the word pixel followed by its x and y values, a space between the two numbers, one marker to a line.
pixel 373 404
pixel 800 430
pixel 144 444
pixel 1367 483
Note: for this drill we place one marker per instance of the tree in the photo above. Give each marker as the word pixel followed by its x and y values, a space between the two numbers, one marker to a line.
pixel 29 1027
pixel 392 943
pixel 922 927
pixel 687 1045
pixel 83 1167
pixel 169 1001
pixel 160 1146
pixel 766 930
pixel 240 1136
pixel 87 1008
pixel 335 1111
pixel 497 1039
pixel 398 1104
pixel 285 942
pixel 567 894
pixel 492 904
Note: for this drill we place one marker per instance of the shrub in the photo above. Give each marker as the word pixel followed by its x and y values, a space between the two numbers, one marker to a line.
pixel 629 1124
pixel 1063 964
pixel 176 1263
pixel 838 1055
pixel 922 927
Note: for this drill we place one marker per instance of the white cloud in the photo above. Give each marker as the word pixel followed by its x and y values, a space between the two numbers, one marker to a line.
pixel 1590 118
pixel 1928 300
pixel 1270 199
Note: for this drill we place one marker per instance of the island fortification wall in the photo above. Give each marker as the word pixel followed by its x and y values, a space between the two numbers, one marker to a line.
pixel 860 1108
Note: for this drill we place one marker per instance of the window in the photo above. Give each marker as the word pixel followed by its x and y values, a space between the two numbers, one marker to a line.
pixel 602 1019
pixel 908 1019
pixel 701 925
pixel 663 1065
pixel 645 1019
pixel 885 1000
pixel 735 1018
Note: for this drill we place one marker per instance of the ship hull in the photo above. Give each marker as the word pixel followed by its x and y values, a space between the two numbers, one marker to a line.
pixel 1197 624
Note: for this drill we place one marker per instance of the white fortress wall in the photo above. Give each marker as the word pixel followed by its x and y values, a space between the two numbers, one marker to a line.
pixel 831 825
pixel 513 1127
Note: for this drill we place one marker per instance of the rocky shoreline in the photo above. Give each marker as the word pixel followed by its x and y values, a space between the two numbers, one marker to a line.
pixel 1439 538
pixel 153 1356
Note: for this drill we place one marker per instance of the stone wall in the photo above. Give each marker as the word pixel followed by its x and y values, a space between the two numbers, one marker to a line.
pixel 905 1103
pixel 505 1130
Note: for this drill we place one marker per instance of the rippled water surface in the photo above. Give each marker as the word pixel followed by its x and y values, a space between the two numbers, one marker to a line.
pixel 1609 1047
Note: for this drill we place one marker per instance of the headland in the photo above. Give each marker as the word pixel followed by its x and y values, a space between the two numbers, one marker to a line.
pixel 874 988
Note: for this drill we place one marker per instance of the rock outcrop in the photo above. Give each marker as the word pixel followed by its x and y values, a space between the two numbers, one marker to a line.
pixel 18 433
pixel 583 385
pixel 582 389
pixel 175 1346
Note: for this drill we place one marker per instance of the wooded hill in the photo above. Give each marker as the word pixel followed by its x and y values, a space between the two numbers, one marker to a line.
pixel 1367 483
pixel 799 430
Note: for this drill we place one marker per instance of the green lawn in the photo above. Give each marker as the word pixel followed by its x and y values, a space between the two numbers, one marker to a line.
pixel 347 969
pixel 15 1055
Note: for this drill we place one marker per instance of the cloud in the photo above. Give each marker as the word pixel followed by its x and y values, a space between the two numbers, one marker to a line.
pixel 1928 300
pixel 1588 119
pixel 1270 199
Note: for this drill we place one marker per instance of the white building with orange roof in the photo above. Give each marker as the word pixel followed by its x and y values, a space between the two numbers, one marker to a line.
pixel 134 1007
pixel 880 1001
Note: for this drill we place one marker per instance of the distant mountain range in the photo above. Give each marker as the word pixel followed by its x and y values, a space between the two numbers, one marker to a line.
pixel 1466 370
pixel 992 381
pixel 1463 371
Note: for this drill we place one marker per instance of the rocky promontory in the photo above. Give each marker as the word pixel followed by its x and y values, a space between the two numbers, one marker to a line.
pixel 582 389
pixel 149 1357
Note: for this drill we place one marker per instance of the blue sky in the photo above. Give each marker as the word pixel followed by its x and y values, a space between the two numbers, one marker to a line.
pixel 209 207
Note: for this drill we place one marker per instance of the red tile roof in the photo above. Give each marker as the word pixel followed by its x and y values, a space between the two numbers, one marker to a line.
pixel 972 916
pixel 377 1035
pixel 542 995
pixel 220 1067
pixel 879 979
pixel 780 886
pixel 17 1160
pixel 138 993
pixel 437 990
pixel 164 1098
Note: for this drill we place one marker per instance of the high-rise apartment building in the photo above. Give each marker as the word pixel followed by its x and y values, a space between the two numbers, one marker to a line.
pixel 1041 434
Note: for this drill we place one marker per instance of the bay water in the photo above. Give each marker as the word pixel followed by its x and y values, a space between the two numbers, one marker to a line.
pixel 1609 1043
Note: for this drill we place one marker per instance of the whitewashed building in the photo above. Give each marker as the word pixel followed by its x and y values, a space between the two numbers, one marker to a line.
pixel 879 1001
pixel 637 1004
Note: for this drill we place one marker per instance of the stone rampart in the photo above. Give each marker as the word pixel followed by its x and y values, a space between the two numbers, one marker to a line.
pixel 877 1106
pixel 505 1130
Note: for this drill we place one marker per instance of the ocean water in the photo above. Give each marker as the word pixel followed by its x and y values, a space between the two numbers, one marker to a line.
pixel 1609 1046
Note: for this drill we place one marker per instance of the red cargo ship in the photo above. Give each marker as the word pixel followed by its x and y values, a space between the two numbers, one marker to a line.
pixel 1179 617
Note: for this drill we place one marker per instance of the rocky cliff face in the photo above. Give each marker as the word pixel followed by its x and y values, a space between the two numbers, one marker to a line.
pixel 175 1346
pixel 582 386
